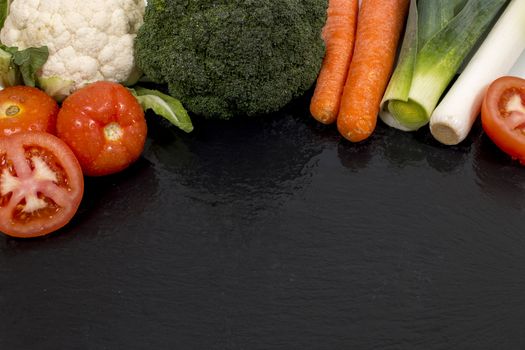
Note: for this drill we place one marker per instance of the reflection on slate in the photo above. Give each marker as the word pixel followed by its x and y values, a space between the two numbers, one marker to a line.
pixel 250 159
pixel 498 179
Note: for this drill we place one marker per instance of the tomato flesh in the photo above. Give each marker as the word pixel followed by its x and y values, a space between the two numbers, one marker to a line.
pixel 41 184
pixel 503 115
pixel 511 107
pixel 104 125
pixel 25 108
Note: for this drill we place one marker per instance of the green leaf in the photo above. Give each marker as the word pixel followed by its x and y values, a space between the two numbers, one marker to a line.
pixel 4 11
pixel 9 74
pixel 436 15
pixel 164 105
pixel 30 61
pixel 56 87
pixel 21 66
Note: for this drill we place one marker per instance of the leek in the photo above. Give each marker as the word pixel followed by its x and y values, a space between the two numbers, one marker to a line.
pixel 439 36
pixel 453 118
pixel 519 68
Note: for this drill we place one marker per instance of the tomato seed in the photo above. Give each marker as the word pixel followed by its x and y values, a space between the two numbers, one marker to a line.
pixel 5 163
pixel 20 216
pixel 506 97
pixel 51 161
pixel 4 200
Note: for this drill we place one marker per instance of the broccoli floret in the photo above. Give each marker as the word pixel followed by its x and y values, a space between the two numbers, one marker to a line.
pixel 223 58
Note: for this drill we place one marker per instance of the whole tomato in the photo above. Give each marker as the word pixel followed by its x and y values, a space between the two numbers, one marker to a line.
pixel 25 108
pixel 104 125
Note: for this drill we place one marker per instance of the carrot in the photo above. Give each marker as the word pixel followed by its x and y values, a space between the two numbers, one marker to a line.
pixel 339 36
pixel 378 32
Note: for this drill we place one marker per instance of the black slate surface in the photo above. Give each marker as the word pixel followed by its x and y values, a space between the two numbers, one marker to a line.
pixel 274 233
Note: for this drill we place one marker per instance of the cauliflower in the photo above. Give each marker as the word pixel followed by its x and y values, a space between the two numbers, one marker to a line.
pixel 88 40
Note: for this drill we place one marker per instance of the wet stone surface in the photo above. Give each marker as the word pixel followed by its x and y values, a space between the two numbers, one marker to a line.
pixel 274 233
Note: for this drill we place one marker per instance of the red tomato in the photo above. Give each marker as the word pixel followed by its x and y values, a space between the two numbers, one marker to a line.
pixel 503 115
pixel 24 108
pixel 104 125
pixel 41 184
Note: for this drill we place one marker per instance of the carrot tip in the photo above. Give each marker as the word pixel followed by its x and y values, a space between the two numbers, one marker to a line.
pixel 325 115
pixel 357 130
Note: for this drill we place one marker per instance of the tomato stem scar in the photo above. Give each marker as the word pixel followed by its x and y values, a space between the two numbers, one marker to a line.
pixel 113 132
pixel 12 111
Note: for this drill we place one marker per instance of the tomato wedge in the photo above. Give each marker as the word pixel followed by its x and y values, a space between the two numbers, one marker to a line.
pixel 503 115
pixel 41 184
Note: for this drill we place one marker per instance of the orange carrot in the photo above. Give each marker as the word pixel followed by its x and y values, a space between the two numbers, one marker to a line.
pixel 339 36
pixel 378 32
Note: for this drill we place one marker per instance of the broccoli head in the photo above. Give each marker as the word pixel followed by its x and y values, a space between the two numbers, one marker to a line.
pixel 223 58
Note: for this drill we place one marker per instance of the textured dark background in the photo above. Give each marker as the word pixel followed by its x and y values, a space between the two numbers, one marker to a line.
pixel 274 233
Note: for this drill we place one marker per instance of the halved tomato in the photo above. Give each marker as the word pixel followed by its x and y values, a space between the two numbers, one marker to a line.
pixel 503 115
pixel 41 184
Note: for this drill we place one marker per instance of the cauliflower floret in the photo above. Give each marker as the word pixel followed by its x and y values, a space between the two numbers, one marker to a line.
pixel 88 40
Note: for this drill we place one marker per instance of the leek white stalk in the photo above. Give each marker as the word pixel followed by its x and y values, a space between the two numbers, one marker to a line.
pixel 519 68
pixel 453 118
pixel 440 34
